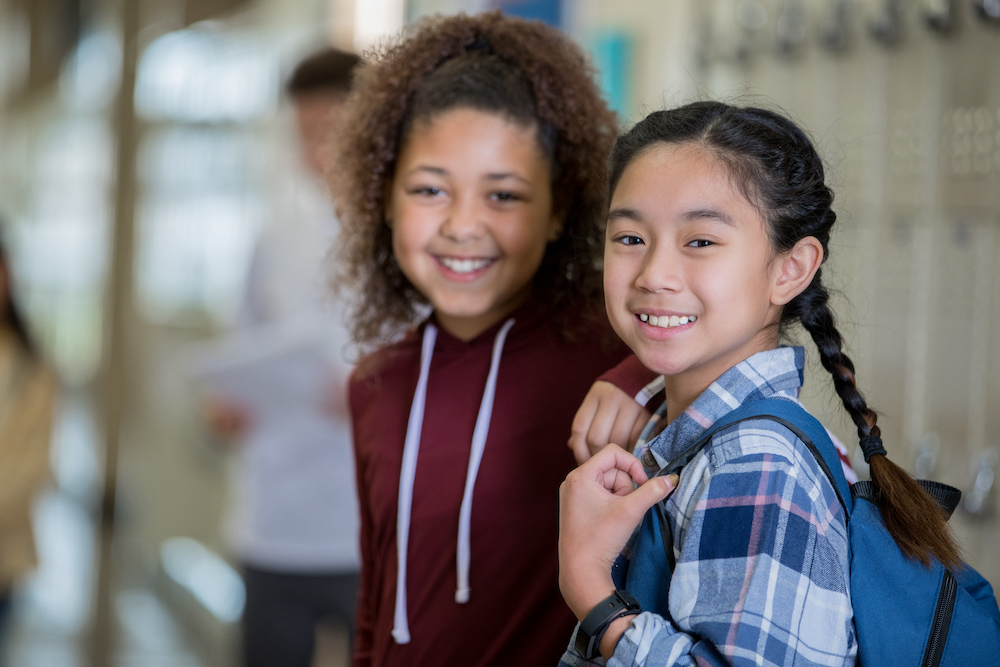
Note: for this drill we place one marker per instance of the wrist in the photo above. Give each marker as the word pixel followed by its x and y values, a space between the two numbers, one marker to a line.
pixel 612 614
pixel 614 633
pixel 585 591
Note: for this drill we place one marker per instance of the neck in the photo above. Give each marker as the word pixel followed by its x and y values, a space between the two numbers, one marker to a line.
pixel 682 389
pixel 467 328
pixel 680 392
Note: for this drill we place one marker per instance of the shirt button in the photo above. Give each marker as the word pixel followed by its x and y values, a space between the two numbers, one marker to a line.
pixel 648 459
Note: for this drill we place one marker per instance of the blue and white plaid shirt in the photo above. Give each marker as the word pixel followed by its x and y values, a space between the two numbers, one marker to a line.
pixel 759 538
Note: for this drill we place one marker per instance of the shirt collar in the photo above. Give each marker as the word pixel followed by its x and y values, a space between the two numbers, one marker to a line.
pixel 763 375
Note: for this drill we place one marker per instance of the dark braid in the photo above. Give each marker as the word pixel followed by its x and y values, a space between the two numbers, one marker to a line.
pixel 911 516
pixel 777 169
pixel 812 310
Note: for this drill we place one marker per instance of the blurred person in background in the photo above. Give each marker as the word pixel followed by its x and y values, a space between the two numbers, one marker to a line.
pixel 27 399
pixel 297 533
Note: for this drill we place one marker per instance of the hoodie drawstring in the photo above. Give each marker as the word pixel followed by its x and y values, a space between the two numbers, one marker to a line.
pixel 463 554
pixel 407 473
pixel 411 447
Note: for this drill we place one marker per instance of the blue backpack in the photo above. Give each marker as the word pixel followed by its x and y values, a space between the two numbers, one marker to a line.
pixel 904 613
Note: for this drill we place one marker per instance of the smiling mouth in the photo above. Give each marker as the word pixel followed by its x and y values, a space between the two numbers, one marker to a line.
pixel 667 321
pixel 465 265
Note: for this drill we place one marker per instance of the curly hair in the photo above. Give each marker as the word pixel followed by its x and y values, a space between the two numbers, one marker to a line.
pixel 451 62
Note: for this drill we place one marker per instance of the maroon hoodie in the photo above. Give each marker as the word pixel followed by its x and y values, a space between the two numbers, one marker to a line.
pixel 515 614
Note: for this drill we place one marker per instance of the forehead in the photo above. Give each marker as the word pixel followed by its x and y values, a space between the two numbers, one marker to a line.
pixel 673 177
pixel 466 134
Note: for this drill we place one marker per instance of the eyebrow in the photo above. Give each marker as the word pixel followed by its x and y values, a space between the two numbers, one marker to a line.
pixel 438 171
pixel 505 175
pixel 499 176
pixel 625 213
pixel 708 214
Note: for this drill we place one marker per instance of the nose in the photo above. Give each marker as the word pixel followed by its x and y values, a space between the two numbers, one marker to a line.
pixel 463 220
pixel 660 271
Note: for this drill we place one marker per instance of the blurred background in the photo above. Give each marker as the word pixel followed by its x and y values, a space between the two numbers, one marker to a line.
pixel 141 146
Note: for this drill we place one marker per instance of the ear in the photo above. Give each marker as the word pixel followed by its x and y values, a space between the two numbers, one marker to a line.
pixel 795 269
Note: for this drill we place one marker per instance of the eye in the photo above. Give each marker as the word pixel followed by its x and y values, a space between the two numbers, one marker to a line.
pixel 628 239
pixel 505 196
pixel 701 243
pixel 429 191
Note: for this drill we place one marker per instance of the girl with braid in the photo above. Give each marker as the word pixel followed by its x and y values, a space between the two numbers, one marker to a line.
pixel 719 224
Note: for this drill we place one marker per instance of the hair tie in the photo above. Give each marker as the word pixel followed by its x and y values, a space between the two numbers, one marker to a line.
pixel 871 445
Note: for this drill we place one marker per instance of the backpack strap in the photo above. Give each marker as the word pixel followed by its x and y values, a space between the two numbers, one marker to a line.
pixel 792 416
pixel 947 497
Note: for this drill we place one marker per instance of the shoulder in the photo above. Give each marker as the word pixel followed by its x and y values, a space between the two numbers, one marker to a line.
pixel 755 438
pixel 387 368
pixel 759 474
pixel 762 456
pixel 388 359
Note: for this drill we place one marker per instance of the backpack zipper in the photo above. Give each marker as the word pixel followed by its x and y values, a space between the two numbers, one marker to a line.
pixel 942 621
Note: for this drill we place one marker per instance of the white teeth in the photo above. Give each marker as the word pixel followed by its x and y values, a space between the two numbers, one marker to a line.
pixel 667 321
pixel 464 265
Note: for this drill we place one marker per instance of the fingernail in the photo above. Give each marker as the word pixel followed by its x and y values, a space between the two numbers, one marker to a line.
pixel 673 479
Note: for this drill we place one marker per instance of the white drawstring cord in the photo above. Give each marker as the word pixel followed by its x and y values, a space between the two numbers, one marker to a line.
pixel 463 554
pixel 407 473
pixel 411 447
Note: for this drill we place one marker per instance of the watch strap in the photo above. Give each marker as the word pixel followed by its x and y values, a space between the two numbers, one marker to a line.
pixel 595 624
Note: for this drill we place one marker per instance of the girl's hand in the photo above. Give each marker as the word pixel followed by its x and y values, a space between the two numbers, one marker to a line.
pixel 599 507
pixel 607 415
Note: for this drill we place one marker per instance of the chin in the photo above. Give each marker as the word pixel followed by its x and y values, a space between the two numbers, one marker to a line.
pixel 660 362
pixel 469 313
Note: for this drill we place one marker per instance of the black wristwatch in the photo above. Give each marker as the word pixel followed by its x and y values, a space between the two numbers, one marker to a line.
pixel 592 628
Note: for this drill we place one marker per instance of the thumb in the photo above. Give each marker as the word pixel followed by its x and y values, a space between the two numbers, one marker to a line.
pixel 650 493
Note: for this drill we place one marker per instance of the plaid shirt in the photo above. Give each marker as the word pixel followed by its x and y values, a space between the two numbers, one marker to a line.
pixel 759 538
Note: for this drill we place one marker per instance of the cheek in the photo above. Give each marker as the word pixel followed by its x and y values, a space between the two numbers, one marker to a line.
pixel 758 282
pixel 616 292
pixel 400 253
pixel 709 282
pixel 411 225
pixel 727 282
pixel 615 278
pixel 526 241
pixel 406 240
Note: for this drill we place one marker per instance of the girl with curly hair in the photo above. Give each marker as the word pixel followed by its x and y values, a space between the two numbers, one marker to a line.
pixel 471 190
